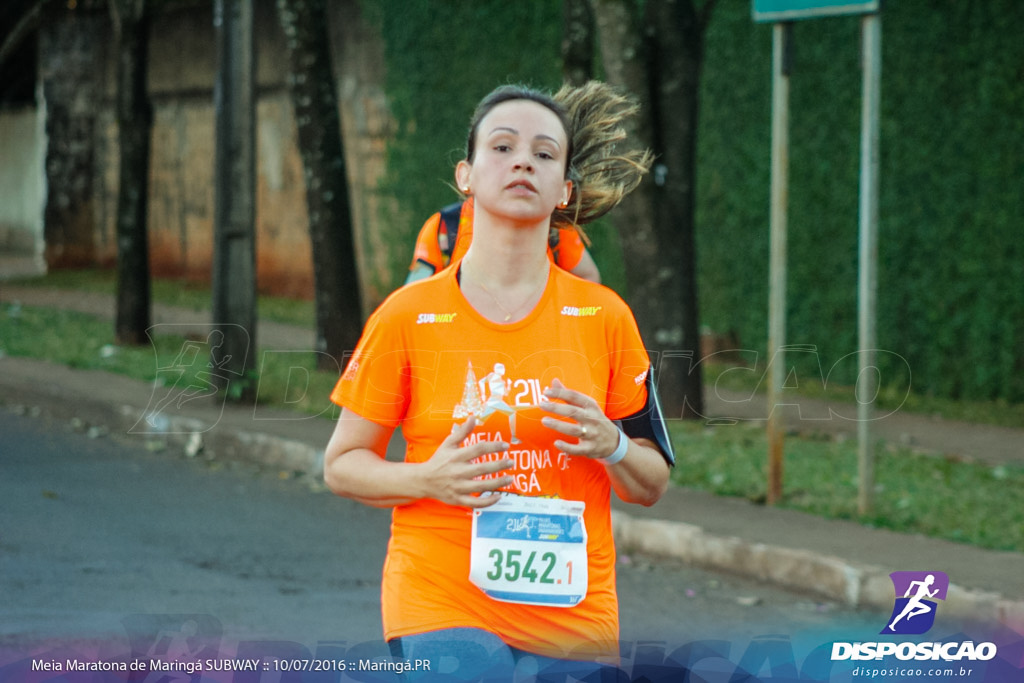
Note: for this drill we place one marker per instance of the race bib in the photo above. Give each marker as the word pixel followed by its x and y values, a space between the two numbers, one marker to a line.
pixel 531 551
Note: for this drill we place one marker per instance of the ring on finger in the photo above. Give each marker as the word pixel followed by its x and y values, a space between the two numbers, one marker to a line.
pixel 583 431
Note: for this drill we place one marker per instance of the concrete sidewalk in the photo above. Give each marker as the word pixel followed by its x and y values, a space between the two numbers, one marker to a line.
pixel 839 561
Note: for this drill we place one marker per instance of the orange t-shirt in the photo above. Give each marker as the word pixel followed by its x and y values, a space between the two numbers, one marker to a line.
pixel 427 359
pixel 566 255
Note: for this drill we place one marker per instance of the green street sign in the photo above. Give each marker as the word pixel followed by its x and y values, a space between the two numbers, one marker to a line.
pixel 791 10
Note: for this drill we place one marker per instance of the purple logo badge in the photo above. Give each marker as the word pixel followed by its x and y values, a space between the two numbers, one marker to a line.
pixel 916 595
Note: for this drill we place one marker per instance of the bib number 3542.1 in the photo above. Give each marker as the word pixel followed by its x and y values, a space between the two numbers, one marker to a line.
pixel 531 551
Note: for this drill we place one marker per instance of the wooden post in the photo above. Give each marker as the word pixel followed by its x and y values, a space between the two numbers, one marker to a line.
pixel 781 36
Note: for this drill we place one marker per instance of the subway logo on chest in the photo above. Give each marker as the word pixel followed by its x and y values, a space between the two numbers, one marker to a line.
pixel 435 318
pixel 581 311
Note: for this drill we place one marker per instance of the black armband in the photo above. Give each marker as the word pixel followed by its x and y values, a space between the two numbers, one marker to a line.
pixel 649 423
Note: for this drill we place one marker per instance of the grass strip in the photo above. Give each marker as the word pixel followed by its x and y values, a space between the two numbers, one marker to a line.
pixel 193 296
pixel 287 380
pixel 931 495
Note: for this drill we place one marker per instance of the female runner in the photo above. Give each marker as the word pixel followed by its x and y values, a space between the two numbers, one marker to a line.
pixel 501 555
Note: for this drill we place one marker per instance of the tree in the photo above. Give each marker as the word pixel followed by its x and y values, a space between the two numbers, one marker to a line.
pixel 234 222
pixel 134 125
pixel 71 43
pixel 656 54
pixel 311 83
pixel 19 19
pixel 577 41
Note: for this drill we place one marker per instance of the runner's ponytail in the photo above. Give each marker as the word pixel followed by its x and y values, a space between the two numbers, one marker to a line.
pixel 602 174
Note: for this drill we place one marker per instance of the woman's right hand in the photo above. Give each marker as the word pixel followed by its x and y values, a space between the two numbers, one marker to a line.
pixel 453 475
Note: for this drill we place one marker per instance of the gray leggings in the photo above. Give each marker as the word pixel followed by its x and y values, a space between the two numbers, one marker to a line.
pixel 472 654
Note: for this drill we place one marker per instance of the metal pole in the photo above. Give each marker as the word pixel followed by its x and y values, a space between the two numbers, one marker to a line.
pixel 867 378
pixel 781 36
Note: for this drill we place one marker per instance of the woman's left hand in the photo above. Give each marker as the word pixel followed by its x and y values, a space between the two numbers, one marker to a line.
pixel 641 477
pixel 595 435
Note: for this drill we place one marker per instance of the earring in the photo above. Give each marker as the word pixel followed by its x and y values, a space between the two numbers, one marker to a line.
pixel 465 190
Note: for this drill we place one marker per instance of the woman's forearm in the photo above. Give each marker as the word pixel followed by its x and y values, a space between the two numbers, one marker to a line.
pixel 355 467
pixel 363 476
pixel 642 476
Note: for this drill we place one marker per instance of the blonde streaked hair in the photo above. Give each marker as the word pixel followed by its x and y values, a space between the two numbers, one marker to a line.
pixel 593 116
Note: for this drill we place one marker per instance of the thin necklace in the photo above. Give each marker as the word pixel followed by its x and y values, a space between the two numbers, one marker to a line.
pixel 508 313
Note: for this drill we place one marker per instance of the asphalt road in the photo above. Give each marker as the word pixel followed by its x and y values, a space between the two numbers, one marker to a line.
pixel 105 537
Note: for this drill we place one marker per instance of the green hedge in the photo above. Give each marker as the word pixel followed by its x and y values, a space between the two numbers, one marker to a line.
pixel 442 58
pixel 951 268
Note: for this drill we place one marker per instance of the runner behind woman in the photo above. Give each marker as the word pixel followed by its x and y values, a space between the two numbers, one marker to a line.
pixel 525 578
pixel 446 235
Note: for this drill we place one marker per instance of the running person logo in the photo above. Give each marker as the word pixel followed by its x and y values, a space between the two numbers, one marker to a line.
pixel 916 593
pixel 496 393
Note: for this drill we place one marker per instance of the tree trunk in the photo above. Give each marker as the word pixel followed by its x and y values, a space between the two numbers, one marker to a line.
pixel 339 319
pixel 675 31
pixel 70 47
pixel 23 18
pixel 577 41
pixel 654 59
pixel 233 343
pixel 134 124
